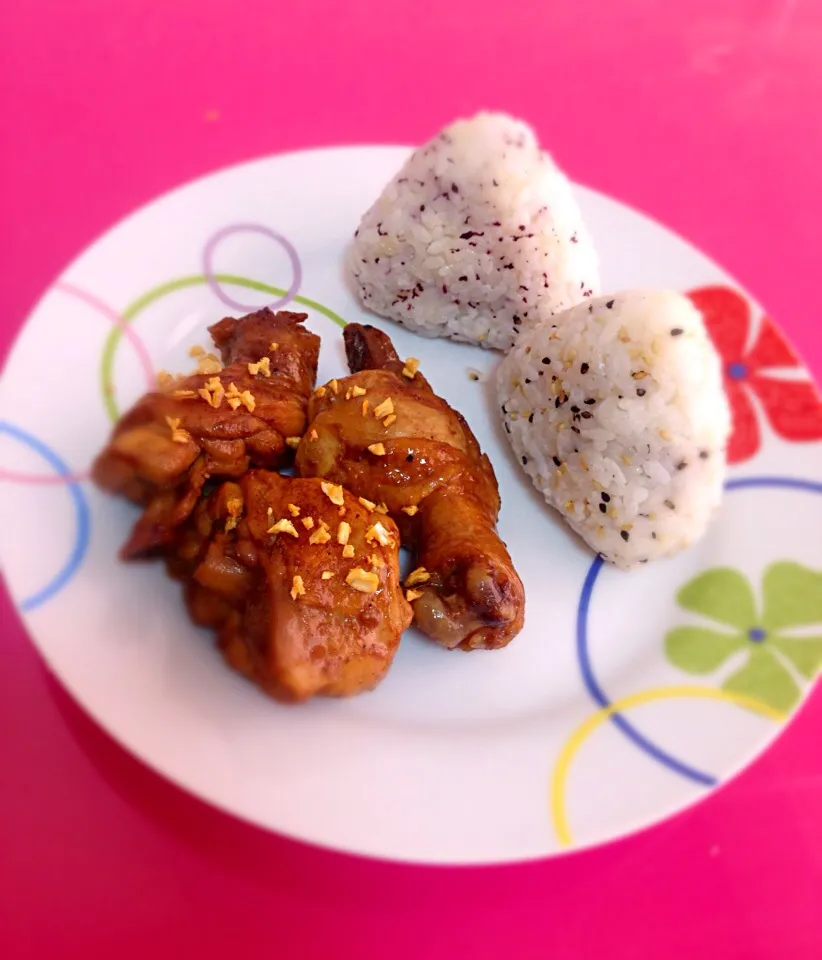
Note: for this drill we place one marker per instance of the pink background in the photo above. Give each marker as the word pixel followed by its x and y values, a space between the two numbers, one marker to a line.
pixel 702 113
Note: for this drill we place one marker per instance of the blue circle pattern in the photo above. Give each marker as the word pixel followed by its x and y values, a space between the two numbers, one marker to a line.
pixel 583 655
pixel 82 514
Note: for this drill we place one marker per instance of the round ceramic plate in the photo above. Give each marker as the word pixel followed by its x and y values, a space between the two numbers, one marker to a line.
pixel 627 697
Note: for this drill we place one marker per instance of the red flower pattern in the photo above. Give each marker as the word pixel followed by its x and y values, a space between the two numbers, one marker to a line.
pixel 792 407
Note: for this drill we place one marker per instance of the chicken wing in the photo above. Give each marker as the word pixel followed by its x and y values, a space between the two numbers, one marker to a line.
pixel 300 581
pixel 247 410
pixel 385 435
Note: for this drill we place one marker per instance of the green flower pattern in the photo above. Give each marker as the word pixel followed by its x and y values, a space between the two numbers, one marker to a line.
pixel 774 655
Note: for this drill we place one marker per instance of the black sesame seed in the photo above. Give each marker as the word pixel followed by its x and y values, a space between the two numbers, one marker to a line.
pixel 653 535
pixel 682 464
pixel 584 368
pixel 524 461
pixel 557 403
pixel 422 207
pixel 704 454
pixel 530 418
pixel 677 332
pixel 670 504
pixel 507 428
pixel 606 497
pixel 557 462
pixel 609 304
pixel 603 508
pixel 546 360
pixel 574 409
pixel 410 458
pixel 590 401
pixel 575 429
pixel 463 279
pixel 640 392
pixel 527 380
pixel 625 535
pixel 586 414
pixel 454 188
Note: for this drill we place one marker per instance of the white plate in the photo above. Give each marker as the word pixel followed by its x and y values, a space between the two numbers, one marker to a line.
pixel 585 728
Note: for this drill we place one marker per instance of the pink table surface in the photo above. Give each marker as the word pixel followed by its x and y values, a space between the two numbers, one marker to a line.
pixel 703 113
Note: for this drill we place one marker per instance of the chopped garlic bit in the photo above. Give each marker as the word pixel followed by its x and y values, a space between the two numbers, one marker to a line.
pixel 236 397
pixel 293 442
pixel 213 392
pixel 326 575
pixel 411 595
pixel 379 533
pixel 377 449
pixel 389 420
pixel 320 535
pixel 375 561
pixel 381 508
pixel 196 351
pixel 308 523
pixel 365 407
pixel 384 409
pixel 313 435
pixel 320 392
pixel 334 492
pixel 263 366
pixel 416 577
pixel 368 504
pixel 165 379
pixel 410 510
pixel 348 551
pixel 183 394
pixel 343 532
pixel 293 509
pixel 411 367
pixel 334 386
pixel 273 346
pixel 297 588
pixel 348 394
pixel 284 526
pixel 209 363
pixel 357 391
pixel 177 435
pixel 362 580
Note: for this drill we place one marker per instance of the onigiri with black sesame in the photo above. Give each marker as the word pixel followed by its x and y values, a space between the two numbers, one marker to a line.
pixel 477 238
pixel 617 411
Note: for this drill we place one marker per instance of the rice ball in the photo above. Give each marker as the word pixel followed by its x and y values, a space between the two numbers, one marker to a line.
pixel 617 412
pixel 477 238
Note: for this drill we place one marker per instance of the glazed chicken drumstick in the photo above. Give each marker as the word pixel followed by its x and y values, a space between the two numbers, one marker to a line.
pixel 233 413
pixel 300 582
pixel 385 435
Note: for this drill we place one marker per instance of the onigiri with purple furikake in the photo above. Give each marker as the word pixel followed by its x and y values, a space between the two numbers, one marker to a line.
pixel 478 237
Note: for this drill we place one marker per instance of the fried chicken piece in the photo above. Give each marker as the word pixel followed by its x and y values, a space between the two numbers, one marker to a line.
pixel 299 580
pixel 237 413
pixel 385 435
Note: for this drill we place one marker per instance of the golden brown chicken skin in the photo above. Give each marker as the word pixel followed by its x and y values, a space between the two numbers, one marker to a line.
pixel 300 581
pixel 385 435
pixel 240 411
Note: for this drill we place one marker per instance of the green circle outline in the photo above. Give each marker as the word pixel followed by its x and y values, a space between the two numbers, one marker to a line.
pixel 137 306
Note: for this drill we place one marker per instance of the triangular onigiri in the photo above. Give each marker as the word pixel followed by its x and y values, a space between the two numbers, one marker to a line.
pixel 477 238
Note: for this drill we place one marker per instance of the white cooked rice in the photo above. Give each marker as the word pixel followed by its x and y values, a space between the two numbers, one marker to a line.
pixel 617 412
pixel 477 238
